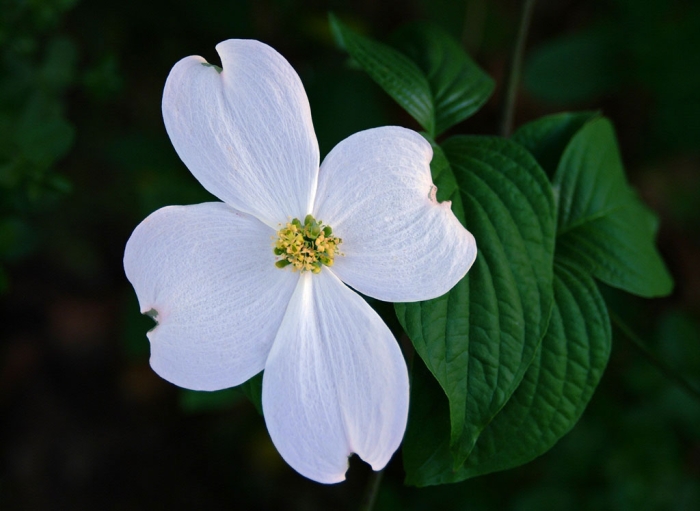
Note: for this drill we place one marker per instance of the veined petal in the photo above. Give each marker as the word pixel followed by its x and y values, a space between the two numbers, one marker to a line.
pixel 335 382
pixel 245 132
pixel 208 273
pixel 399 243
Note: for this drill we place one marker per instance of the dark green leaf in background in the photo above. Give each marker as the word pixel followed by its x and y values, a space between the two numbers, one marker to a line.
pixel 603 227
pixel 644 52
pixel 58 69
pixel 577 67
pixel 431 77
pixel 16 238
pixel 43 134
pixel 479 339
pixel 458 85
pixel 394 72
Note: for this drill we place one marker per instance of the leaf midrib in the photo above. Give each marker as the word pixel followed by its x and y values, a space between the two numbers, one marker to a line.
pixel 591 218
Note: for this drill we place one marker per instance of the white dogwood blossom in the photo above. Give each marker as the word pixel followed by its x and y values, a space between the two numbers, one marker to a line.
pixel 260 280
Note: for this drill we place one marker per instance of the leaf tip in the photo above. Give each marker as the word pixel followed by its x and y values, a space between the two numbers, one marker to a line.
pixel 336 30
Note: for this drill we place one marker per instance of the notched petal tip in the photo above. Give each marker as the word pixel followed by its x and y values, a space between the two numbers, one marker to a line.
pixel 331 479
pixel 245 131
pixel 153 314
pixel 218 68
pixel 432 194
pixel 335 382
pixel 378 212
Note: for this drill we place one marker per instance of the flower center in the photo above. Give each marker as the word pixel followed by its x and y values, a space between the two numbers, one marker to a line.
pixel 306 246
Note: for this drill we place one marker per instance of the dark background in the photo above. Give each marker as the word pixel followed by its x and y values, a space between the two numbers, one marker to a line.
pixel 84 157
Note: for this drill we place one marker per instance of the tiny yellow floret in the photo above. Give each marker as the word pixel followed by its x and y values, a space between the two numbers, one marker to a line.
pixel 306 246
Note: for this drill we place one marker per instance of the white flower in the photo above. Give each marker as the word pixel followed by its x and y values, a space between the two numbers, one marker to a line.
pixel 335 381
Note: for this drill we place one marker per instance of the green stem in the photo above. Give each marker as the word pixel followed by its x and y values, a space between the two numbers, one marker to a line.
pixel 514 69
pixel 652 358
pixel 372 490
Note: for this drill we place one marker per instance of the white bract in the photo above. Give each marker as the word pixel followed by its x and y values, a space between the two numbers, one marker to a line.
pixel 335 381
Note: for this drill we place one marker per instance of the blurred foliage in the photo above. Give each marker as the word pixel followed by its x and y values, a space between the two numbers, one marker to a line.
pixel 638 48
pixel 37 68
pixel 84 157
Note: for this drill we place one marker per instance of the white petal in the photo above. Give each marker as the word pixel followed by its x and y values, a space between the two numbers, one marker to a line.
pixel 400 244
pixel 335 382
pixel 208 271
pixel 245 133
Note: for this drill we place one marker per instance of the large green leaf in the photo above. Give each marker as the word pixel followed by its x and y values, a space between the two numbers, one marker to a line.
pixel 547 137
pixel 399 76
pixel 604 231
pixel 558 384
pixel 552 396
pixel 458 85
pixel 479 339
pixel 603 227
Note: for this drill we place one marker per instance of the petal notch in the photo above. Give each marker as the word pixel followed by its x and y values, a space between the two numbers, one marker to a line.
pixel 245 132
pixel 399 244
pixel 335 382
pixel 209 273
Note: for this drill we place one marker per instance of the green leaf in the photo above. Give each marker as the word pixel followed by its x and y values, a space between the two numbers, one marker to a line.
pixel 577 67
pixel 394 72
pixel 602 225
pixel 426 444
pixel 459 87
pixel 42 134
pixel 547 404
pixel 444 179
pixel 559 383
pixel 547 137
pixel 17 239
pixel 58 69
pixel 604 231
pixel 479 339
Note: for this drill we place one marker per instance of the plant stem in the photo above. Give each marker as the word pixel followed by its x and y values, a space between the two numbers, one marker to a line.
pixel 372 490
pixel 652 358
pixel 514 69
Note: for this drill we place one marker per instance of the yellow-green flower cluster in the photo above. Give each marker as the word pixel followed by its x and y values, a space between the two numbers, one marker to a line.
pixel 306 246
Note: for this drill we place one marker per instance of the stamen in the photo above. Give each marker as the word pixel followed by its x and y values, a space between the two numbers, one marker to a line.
pixel 307 246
